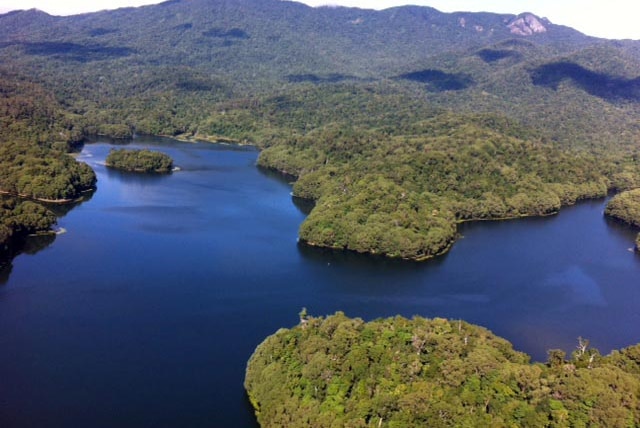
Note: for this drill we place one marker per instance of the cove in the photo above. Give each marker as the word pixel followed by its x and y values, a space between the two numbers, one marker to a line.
pixel 146 310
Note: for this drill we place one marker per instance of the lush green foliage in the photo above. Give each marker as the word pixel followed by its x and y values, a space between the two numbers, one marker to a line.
pixel 35 136
pixel 29 113
pixel 625 206
pixel 193 57
pixel 396 176
pixel 357 103
pixel 43 174
pixel 22 218
pixel 139 160
pixel 343 372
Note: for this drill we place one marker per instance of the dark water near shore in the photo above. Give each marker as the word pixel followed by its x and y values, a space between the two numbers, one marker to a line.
pixel 144 313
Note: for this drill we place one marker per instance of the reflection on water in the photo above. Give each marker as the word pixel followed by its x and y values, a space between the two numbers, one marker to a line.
pixel 277 175
pixel 35 243
pixel 304 205
pixel 582 288
pixel 5 270
pixel 136 178
pixel 364 262
pixel 622 230
pixel 61 210
pixel 27 245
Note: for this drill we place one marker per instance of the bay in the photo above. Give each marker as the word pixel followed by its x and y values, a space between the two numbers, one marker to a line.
pixel 146 310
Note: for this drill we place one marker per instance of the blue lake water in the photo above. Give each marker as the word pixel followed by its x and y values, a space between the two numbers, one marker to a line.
pixel 144 313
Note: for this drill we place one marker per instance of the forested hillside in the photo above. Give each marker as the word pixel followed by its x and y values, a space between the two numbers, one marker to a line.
pixel 395 372
pixel 35 137
pixel 399 123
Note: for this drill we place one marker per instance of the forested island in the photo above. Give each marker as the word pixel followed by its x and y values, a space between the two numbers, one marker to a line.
pixel 626 208
pixel 343 372
pixel 144 160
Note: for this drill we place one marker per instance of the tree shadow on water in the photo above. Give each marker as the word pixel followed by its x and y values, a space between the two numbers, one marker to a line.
pixel 366 262
pixel 143 178
pixel 623 230
pixel 33 244
pixel 23 245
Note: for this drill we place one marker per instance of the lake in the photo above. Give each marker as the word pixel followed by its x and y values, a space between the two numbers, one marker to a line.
pixel 146 310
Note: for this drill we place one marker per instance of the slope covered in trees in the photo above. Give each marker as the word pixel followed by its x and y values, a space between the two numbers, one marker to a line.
pixel 395 372
pixel 193 56
pixel 357 103
pixel 41 173
pixel 395 176
pixel 35 136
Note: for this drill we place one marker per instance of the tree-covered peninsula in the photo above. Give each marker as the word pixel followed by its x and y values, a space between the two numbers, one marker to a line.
pixel 42 173
pixel 20 218
pixel 625 207
pixel 396 176
pixel 36 136
pixel 144 160
pixel 343 372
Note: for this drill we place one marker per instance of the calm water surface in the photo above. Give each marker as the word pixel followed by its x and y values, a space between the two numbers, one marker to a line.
pixel 144 313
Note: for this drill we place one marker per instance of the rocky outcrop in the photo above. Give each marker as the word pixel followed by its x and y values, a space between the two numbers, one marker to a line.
pixel 526 25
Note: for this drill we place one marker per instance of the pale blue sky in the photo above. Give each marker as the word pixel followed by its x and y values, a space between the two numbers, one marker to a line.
pixel 603 18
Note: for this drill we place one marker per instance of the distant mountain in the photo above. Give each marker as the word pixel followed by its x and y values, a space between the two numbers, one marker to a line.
pixel 273 39
pixel 213 50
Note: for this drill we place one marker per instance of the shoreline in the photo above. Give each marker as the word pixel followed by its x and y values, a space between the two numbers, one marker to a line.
pixel 142 171
pixel 45 200
pixel 457 222
pixel 196 138
pixel 223 140
pixel 417 259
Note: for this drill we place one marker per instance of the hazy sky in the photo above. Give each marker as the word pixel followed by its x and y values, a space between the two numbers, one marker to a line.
pixel 603 18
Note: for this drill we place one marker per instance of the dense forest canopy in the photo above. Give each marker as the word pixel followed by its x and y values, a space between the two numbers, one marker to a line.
pixel 397 187
pixel 20 218
pixel 625 207
pixel 399 123
pixel 35 137
pixel 343 372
